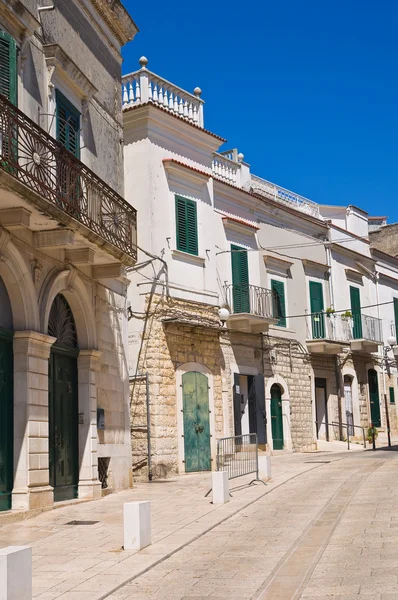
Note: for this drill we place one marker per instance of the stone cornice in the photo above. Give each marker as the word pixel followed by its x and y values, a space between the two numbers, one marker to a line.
pixel 58 61
pixel 19 20
pixel 117 18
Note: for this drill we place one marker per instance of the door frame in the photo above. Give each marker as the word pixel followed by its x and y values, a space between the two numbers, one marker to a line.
pixel 186 368
pixel 287 436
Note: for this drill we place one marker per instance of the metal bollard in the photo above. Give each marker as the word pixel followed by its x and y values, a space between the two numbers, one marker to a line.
pixel 373 437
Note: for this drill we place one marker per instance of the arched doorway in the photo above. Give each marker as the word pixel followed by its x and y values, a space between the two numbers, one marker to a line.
pixel 63 401
pixel 374 397
pixel 6 400
pixel 195 393
pixel 276 417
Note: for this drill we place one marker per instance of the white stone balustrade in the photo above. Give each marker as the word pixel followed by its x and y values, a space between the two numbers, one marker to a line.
pixel 271 190
pixel 144 86
pixel 225 168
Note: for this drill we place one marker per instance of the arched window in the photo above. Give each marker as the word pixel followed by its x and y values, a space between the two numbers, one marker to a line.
pixel 61 323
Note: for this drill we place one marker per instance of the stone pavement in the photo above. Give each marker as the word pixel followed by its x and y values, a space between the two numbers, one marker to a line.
pixel 331 533
pixel 86 562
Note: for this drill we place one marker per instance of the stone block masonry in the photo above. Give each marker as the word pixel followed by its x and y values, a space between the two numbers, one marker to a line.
pixel 180 332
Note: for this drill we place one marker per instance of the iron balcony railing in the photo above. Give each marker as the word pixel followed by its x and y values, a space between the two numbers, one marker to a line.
pixel 251 299
pixel 367 328
pixel 40 162
pixel 339 328
pixel 333 327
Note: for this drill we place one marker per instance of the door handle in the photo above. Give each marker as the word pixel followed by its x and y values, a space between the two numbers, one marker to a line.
pixel 273 416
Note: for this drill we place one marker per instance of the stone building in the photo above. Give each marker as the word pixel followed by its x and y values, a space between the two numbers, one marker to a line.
pixel 253 309
pixel 66 239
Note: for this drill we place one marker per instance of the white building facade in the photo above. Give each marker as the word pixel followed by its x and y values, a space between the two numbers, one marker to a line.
pixel 299 354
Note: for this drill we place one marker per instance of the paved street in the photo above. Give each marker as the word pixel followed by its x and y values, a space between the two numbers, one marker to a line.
pixel 325 527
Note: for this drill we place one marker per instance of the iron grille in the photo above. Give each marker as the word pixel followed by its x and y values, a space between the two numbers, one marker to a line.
pixel 37 160
pixel 103 471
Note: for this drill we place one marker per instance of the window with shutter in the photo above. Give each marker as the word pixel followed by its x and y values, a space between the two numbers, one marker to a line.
pixel 392 395
pixel 278 289
pixel 8 67
pixel 240 280
pixel 68 124
pixel 396 317
pixel 186 225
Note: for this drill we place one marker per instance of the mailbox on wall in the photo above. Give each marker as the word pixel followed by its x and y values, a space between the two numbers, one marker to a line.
pixel 100 418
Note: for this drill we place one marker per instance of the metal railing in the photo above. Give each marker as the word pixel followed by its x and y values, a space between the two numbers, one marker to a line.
pixel 280 194
pixel 40 162
pixel 238 455
pixel 349 427
pixel 367 328
pixel 334 327
pixel 251 299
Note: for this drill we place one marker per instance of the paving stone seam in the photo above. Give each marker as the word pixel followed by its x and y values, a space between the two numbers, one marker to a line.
pixel 201 534
pixel 261 592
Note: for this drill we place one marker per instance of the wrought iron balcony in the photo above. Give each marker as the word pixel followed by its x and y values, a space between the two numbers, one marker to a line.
pixel 252 308
pixel 367 333
pixel 42 164
pixel 328 333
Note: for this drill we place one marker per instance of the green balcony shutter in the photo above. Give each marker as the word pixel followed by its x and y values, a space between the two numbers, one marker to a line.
pixel 240 279
pixel 396 317
pixel 68 124
pixel 186 225
pixel 8 67
pixel 278 287
pixel 356 312
pixel 392 395
pixel 316 305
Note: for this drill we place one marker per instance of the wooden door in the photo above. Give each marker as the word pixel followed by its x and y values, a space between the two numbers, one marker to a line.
pixel 374 397
pixel 321 408
pixel 316 305
pixel 276 417
pixel 63 422
pixel 356 313
pixel 195 390
pixel 6 422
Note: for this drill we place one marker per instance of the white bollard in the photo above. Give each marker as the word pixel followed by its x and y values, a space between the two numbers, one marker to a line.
pixel 264 467
pixel 16 573
pixel 137 525
pixel 220 487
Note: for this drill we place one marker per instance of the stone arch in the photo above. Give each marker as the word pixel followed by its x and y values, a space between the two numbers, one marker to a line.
pixel 17 278
pixel 287 435
pixel 186 368
pixel 69 284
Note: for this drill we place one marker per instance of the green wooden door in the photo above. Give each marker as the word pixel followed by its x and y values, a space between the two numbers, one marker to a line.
pixel 317 315
pixel 276 417
pixel 374 398
pixel 63 420
pixel 195 390
pixel 6 422
pixel 356 312
pixel 240 280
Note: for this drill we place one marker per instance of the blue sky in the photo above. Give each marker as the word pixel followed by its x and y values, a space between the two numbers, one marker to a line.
pixel 306 90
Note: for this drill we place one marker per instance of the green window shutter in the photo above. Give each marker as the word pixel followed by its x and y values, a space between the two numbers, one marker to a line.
pixel 396 317
pixel 240 280
pixel 356 312
pixel 392 395
pixel 8 67
pixel 278 287
pixel 186 225
pixel 68 124
pixel 316 306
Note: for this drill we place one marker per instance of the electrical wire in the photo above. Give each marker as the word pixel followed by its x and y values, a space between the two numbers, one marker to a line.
pixel 287 246
pixel 338 311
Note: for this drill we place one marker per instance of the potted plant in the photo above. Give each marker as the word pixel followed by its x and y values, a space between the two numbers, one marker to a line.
pixel 346 315
pixel 369 434
pixel 330 311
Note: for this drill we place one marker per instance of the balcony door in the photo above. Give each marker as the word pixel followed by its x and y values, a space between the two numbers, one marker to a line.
pixel 356 312
pixel 240 280
pixel 317 306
